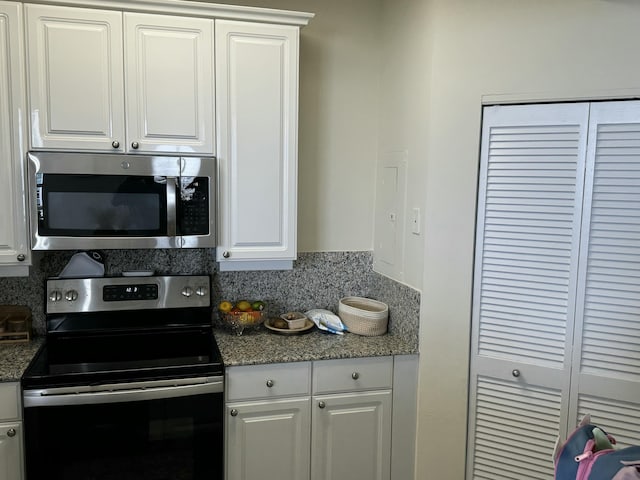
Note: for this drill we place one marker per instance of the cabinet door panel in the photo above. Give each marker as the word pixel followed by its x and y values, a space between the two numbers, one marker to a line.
pixel 11 451
pixel 351 436
pixel 13 220
pixel 76 78
pixel 257 87
pixel 169 83
pixel 268 440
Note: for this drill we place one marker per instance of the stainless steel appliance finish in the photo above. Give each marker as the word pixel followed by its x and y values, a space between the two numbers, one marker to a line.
pixel 87 201
pixel 129 383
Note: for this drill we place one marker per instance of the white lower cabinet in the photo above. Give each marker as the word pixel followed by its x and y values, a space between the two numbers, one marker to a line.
pixel 351 436
pixel 10 451
pixel 326 420
pixel 11 455
pixel 268 439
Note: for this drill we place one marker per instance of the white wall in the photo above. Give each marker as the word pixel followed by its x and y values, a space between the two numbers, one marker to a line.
pixel 513 49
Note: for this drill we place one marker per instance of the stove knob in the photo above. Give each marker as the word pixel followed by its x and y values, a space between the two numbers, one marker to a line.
pixel 187 292
pixel 201 291
pixel 55 296
pixel 71 295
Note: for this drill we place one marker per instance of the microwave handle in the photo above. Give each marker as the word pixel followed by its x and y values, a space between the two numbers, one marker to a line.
pixel 172 205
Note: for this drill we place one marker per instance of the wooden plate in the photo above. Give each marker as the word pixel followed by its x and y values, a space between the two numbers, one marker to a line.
pixel 268 323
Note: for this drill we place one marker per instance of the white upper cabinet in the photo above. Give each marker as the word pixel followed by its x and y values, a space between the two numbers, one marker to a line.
pixel 75 78
pixel 14 248
pixel 98 86
pixel 257 105
pixel 169 83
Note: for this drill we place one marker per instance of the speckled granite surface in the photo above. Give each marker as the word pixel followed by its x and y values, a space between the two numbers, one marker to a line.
pixel 15 358
pixel 318 280
pixel 262 346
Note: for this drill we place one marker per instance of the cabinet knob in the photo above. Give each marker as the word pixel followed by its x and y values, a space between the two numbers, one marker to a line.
pixel 226 254
pixel 135 145
pixel 321 404
pixel 115 144
pixel 270 383
pixel 21 257
pixel 355 375
pixel 11 432
pixel 515 372
pixel 234 412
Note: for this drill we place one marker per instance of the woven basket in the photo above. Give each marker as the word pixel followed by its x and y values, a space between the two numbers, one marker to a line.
pixel 364 316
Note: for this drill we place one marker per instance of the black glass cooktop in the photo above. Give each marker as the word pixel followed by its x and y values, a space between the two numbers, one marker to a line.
pixel 92 359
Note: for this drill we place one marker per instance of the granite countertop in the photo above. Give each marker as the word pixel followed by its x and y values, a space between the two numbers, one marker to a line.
pixel 251 348
pixel 15 358
pixel 262 346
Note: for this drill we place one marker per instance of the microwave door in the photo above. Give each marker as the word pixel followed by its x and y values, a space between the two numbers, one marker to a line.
pixel 80 211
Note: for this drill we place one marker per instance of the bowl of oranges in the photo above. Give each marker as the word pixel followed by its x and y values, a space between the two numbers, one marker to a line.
pixel 242 315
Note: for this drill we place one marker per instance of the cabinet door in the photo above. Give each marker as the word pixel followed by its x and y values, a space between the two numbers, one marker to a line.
pixel 13 217
pixel 268 440
pixel 606 374
pixel 75 78
pixel 528 233
pixel 11 463
pixel 169 84
pixel 257 91
pixel 351 436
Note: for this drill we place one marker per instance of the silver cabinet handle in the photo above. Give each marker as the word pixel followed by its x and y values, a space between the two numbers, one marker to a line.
pixel 234 412
pixel 355 375
pixel 270 383
pixel 226 254
pixel 321 404
pixel 115 144
pixel 21 257
pixel 11 432
pixel 135 145
pixel 515 373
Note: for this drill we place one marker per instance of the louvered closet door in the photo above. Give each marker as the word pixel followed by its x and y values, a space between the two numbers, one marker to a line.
pixel 529 211
pixel 606 380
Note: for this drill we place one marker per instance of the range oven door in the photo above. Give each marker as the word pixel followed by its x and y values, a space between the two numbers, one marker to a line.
pixel 159 430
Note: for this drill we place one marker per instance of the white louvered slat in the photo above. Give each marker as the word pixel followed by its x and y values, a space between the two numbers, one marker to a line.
pixel 509 420
pixel 611 347
pixel 529 208
pixel 529 213
pixel 620 419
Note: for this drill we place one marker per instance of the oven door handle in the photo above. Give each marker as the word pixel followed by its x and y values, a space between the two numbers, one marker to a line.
pixel 122 392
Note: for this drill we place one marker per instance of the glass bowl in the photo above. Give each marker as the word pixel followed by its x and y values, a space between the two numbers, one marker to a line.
pixel 241 321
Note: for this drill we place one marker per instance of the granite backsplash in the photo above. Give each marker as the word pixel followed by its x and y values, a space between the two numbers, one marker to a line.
pixel 318 280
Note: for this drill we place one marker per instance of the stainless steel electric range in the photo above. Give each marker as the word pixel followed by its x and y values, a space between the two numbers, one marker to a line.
pixel 129 383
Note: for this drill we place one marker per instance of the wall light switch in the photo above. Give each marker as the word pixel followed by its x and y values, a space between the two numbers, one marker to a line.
pixel 415 221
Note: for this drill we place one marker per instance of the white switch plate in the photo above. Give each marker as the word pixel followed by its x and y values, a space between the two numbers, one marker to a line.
pixel 415 221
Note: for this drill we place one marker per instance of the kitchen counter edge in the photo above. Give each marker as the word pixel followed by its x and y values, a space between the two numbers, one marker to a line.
pixel 250 348
pixel 262 347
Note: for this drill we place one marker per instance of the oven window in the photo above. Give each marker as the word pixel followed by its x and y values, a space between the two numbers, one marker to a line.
pixel 103 205
pixel 168 439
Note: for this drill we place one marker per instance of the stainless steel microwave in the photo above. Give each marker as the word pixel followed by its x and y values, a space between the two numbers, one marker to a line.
pixel 93 200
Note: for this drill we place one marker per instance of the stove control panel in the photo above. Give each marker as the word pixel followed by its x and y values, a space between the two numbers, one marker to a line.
pixel 70 295
pixel 120 293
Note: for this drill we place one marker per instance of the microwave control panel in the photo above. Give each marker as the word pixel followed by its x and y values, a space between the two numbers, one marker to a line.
pixel 193 206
